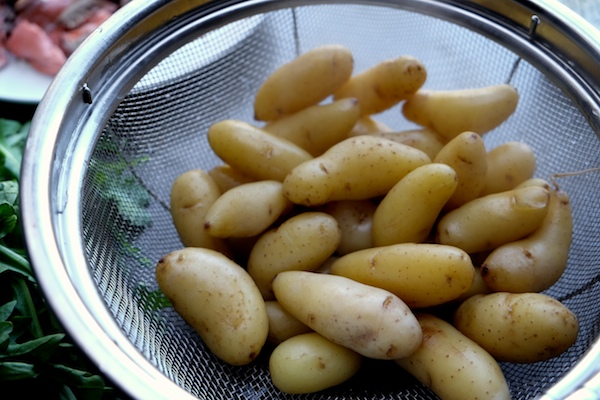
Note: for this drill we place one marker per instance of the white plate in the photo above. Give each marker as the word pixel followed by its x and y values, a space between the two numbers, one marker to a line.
pixel 21 83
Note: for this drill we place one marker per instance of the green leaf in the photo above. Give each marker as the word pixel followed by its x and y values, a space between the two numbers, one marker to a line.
pixel 6 310
pixel 117 181
pixel 8 219
pixel 27 306
pixel 35 356
pixel 152 299
pixel 16 257
pixel 6 328
pixel 21 269
pixel 9 192
pixel 12 142
pixel 42 348
pixel 65 393
pixel 9 197
pixel 15 370
pixel 79 378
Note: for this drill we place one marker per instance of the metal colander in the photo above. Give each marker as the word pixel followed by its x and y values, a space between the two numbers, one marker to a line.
pixel 130 110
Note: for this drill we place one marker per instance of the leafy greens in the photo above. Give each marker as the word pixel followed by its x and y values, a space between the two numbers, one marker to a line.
pixel 36 355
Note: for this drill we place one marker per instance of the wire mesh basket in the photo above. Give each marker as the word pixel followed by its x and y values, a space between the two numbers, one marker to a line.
pixel 130 110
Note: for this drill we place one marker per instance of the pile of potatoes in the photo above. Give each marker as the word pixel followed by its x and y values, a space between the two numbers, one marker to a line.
pixel 333 238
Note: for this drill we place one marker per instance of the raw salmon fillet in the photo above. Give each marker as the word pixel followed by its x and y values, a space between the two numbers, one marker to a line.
pixel 31 43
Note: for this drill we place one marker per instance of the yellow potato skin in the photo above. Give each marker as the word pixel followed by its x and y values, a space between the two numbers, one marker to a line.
pixel 302 242
pixel 451 112
pixel 258 154
pixel 192 194
pixel 421 274
pixel 467 156
pixel 371 321
pixel 478 287
pixel 423 139
pixel 355 219
pixel 536 262
pixel 324 268
pixel 367 125
pixel 357 168
pixel 317 128
pixel 304 81
pixel 282 324
pixel 246 210
pixel 227 177
pixel 518 327
pixel 453 366
pixel 240 248
pixel 385 84
pixel 310 363
pixel 218 299
pixel 534 182
pixel 409 210
pixel 491 221
pixel 509 165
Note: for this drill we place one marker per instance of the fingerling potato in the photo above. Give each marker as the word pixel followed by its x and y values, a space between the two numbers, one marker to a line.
pixel 451 112
pixel 518 327
pixel 534 263
pixel 423 139
pixel 508 165
pixel 385 84
pixel 493 220
pixel 303 242
pixel 534 182
pixel 467 156
pixel 192 194
pixel 453 366
pixel 317 128
pixel 227 177
pixel 409 210
pixel 282 324
pixel 310 363
pixel 304 81
pixel 421 274
pixel 258 154
pixel 218 299
pixel 371 321
pixel 477 287
pixel 355 219
pixel 246 210
pixel 357 168
pixel 367 125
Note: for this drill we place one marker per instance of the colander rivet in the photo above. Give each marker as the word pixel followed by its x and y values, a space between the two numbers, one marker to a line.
pixel 86 94
pixel 533 24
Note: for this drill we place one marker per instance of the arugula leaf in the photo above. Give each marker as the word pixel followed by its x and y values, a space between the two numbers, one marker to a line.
pixel 36 355
pixel 16 262
pixel 12 141
pixel 79 378
pixel 15 370
pixel 9 198
pixel 6 329
pixel 41 348
pixel 27 307
pixel 6 310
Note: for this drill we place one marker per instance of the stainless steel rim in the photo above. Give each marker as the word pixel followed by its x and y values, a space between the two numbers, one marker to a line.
pixel 82 96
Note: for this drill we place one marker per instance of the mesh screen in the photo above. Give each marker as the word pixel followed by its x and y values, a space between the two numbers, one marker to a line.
pixel 159 131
